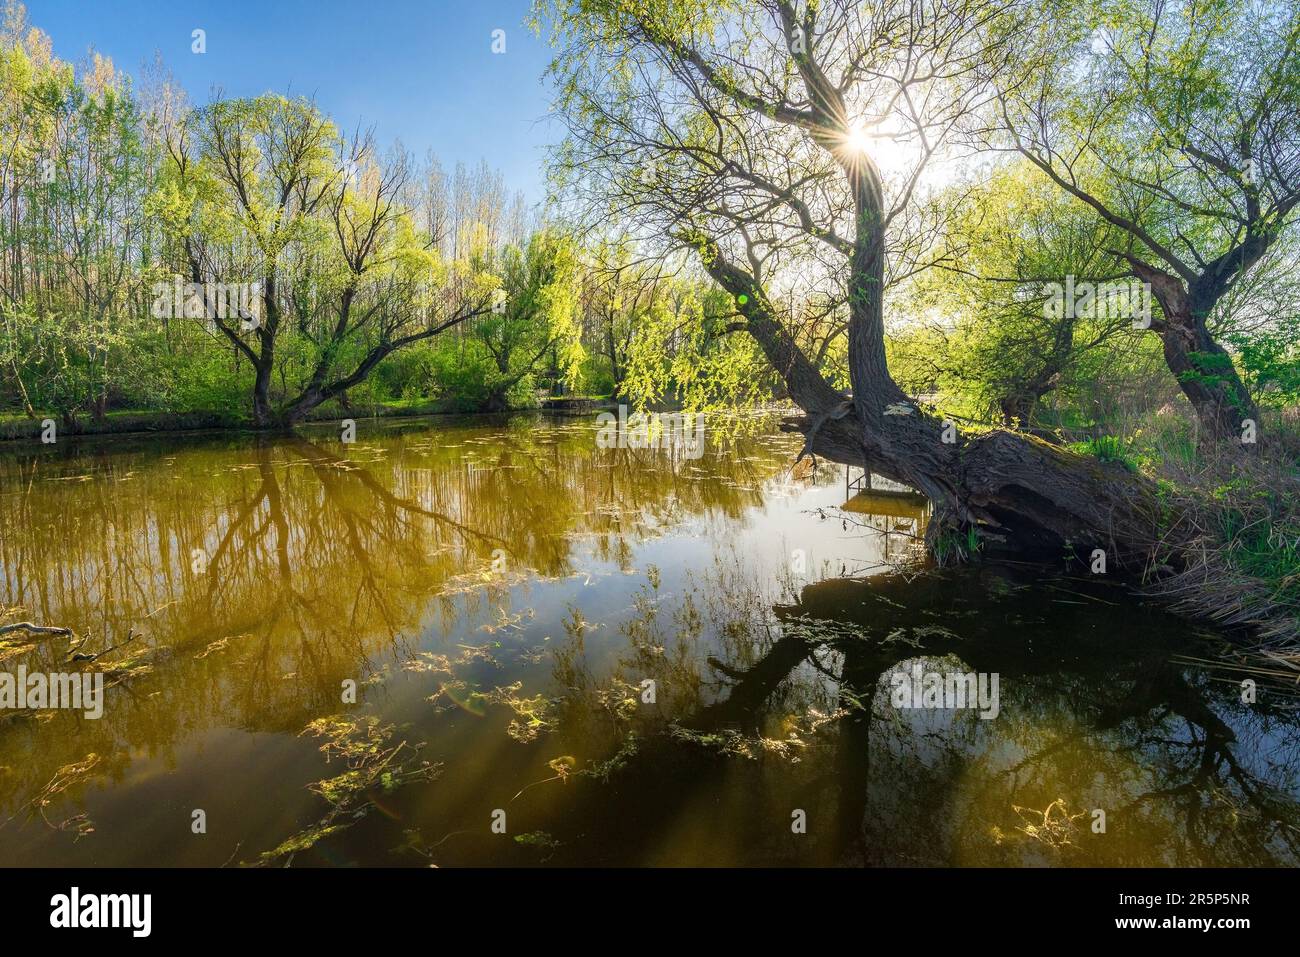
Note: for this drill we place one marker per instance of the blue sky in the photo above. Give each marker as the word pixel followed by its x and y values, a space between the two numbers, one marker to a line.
pixel 421 71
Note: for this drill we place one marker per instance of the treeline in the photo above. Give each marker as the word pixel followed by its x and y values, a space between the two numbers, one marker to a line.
pixel 1028 318
pixel 249 258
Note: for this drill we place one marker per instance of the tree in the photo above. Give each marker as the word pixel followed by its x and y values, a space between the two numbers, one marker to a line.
pixel 617 294
pixel 265 191
pixel 73 181
pixel 1262 319
pixel 536 314
pixel 1007 325
pixel 1178 123
pixel 744 133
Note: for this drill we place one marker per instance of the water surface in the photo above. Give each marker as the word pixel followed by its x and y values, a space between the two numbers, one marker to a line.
pixel 503 592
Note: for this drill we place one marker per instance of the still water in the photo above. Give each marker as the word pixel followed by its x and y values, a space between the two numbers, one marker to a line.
pixel 492 642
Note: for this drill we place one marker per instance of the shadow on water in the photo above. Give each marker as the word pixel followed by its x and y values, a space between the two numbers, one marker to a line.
pixel 1184 771
pixel 618 656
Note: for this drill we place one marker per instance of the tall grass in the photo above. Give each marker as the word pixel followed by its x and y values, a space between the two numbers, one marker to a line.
pixel 1241 508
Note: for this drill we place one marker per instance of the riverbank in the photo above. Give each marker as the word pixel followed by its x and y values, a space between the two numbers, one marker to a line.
pixel 1243 578
pixel 17 427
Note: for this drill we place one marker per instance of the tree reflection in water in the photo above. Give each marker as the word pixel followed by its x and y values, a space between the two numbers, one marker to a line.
pixel 501 592
pixel 1185 771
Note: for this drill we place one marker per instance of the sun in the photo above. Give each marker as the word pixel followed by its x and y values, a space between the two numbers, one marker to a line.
pixel 888 148
pixel 857 140
pixel 878 147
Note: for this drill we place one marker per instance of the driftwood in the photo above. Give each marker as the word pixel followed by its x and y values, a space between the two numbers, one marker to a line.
pixel 131 635
pixel 34 629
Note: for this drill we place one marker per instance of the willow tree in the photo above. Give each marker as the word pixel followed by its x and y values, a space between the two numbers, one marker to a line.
pixel 266 191
pixel 746 134
pixel 1178 123
pixel 535 316
pixel 999 322
pixel 618 293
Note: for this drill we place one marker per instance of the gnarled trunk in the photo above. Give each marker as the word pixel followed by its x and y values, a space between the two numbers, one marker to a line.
pixel 1205 374
pixel 1019 492
pixel 1012 489
pixel 1202 367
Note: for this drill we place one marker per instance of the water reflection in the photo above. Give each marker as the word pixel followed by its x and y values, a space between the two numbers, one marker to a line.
pixel 502 593
pixel 800 719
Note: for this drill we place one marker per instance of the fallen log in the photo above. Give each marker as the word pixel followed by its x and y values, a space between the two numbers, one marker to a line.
pixel 35 629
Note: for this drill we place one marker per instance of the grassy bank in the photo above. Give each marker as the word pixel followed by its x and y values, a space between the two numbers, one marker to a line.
pixel 1242 510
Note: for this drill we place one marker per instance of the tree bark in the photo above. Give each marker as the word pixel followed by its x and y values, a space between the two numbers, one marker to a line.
pixel 263 413
pixel 1016 410
pixel 313 396
pixel 1203 368
pixel 1013 490
pixel 1020 493
pixel 34 629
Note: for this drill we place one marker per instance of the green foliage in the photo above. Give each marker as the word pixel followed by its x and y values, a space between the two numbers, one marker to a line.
pixel 142 194
pixel 1107 448
pixel 106 198
pixel 953 546
pixel 459 373
pixel 75 173
pixel 193 377
pixel 1260 528
pixel 535 321
pixel 595 377
pixel 992 331
pixel 1270 360
pixel 682 350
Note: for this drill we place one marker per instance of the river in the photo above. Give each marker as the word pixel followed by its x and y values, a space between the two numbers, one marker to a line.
pixel 488 641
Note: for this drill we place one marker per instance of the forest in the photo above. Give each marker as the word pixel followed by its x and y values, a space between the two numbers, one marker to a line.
pixel 978 244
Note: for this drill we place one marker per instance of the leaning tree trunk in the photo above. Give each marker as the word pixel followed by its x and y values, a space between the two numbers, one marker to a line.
pixel 1017 491
pixel 1010 488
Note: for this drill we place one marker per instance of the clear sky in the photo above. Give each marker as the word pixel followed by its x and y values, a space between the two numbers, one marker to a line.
pixel 421 71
